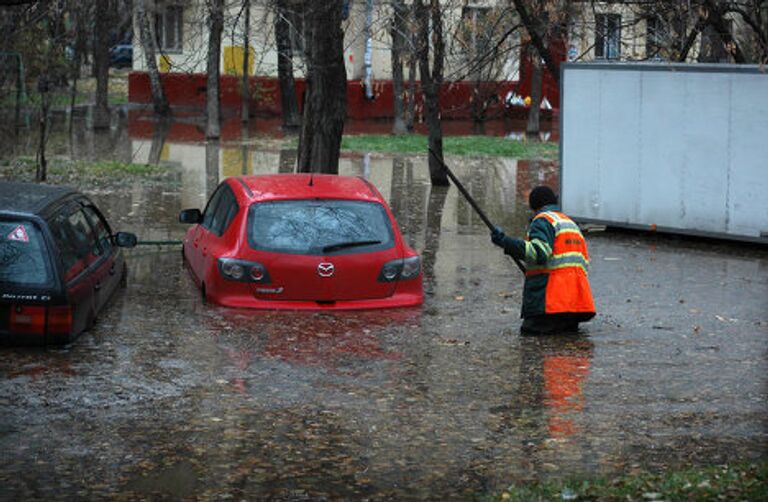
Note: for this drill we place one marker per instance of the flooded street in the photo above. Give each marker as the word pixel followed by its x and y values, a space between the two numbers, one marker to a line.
pixel 169 397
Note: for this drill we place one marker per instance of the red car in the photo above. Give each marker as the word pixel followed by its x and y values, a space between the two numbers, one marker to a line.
pixel 300 241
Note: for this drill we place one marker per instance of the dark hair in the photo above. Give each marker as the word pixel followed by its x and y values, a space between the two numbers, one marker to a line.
pixel 541 196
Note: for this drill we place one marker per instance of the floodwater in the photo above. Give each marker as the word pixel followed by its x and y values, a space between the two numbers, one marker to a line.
pixel 168 397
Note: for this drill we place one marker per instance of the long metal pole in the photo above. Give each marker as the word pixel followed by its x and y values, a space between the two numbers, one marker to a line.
pixel 472 202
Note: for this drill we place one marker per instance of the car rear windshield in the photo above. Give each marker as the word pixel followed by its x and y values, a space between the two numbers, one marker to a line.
pixel 319 227
pixel 23 257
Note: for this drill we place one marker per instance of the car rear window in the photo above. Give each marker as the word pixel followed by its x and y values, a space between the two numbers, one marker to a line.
pixel 23 257
pixel 318 227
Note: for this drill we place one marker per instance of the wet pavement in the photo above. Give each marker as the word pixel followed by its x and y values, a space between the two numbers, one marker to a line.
pixel 167 397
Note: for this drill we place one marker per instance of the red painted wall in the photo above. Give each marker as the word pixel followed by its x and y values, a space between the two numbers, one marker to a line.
pixel 189 126
pixel 188 90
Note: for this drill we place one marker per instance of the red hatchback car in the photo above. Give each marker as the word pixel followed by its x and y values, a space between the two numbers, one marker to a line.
pixel 300 241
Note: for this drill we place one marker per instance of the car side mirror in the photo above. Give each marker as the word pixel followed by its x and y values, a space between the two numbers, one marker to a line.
pixel 125 239
pixel 190 216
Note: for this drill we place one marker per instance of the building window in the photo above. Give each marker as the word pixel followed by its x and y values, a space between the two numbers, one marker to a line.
pixel 607 36
pixel 170 28
pixel 654 37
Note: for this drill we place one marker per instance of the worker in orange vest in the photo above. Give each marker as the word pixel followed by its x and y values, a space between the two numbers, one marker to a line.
pixel 556 294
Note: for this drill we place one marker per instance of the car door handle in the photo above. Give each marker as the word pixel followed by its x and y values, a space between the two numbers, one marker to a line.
pixel 205 251
pixel 97 286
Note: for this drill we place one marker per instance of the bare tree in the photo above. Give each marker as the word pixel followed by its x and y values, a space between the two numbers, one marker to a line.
pixel 399 33
pixel 533 126
pixel 246 92
pixel 80 17
pixel 483 43
pixel 289 105
pixel 41 170
pixel 102 22
pixel 51 74
pixel 215 17
pixel 326 99
pixel 148 38
pixel 537 28
pixel 715 12
pixel 431 80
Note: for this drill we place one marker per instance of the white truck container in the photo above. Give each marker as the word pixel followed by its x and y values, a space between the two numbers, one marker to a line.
pixel 671 147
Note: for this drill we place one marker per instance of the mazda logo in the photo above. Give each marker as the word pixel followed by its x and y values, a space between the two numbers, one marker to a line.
pixel 325 269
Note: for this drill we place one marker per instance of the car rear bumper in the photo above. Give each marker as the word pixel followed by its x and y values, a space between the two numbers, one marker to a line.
pixel 397 300
pixel 33 339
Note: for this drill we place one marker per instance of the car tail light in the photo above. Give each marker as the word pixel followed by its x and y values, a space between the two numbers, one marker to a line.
pixel 27 319
pixel 244 271
pixel 59 320
pixel 400 270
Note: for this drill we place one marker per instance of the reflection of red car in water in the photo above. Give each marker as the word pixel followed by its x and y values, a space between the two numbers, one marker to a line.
pixel 300 241
pixel 324 339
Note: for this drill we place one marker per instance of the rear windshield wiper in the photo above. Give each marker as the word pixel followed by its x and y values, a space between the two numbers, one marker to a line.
pixel 344 245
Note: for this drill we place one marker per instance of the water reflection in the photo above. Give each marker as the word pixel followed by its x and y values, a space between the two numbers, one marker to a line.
pixel 558 367
pixel 335 341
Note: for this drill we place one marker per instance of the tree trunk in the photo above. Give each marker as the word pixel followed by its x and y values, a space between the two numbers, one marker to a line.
pixel 533 127
pixel 711 47
pixel 687 44
pixel 101 24
pixel 212 103
pixel 325 105
pixel 212 166
pixel 79 14
pixel 246 91
pixel 41 172
pixel 159 135
pixel 287 162
pixel 410 115
pixel 148 37
pixel 721 27
pixel 288 102
pixel 399 27
pixel 430 83
pixel 74 75
pixel 413 59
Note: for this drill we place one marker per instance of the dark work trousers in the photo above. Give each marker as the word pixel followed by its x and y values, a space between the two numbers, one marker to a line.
pixel 553 324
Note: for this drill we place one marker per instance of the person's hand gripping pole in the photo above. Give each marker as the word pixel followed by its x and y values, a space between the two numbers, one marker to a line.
pixel 496 232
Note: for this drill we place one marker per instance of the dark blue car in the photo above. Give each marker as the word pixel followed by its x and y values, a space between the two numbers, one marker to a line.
pixel 121 56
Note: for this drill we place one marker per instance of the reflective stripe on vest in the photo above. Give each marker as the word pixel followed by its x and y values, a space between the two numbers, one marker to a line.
pixel 569 249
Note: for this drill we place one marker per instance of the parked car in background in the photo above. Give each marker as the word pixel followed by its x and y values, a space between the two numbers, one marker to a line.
pixel 300 241
pixel 60 263
pixel 121 56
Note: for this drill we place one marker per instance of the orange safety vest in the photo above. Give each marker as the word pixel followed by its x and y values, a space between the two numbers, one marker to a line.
pixel 567 284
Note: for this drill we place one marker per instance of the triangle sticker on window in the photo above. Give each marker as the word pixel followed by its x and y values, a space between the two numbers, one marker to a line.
pixel 19 234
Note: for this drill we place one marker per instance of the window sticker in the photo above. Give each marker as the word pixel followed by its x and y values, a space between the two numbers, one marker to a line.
pixel 19 234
